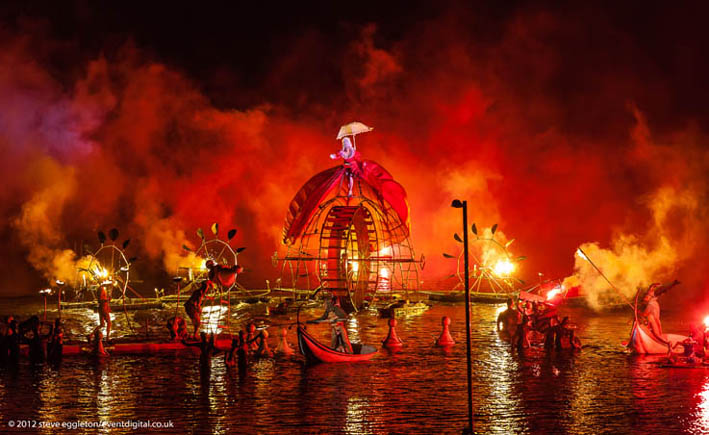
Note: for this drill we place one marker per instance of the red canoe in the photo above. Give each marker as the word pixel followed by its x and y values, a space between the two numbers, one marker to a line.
pixel 642 341
pixel 315 351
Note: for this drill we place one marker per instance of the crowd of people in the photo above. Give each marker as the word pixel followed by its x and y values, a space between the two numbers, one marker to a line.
pixel 248 343
pixel 44 339
pixel 529 323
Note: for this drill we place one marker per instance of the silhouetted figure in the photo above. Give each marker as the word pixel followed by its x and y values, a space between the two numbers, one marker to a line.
pixel 55 347
pixel 263 350
pixel 13 342
pixel 207 350
pixel 5 334
pixel 37 344
pixel 177 328
pixel 508 320
pixel 242 352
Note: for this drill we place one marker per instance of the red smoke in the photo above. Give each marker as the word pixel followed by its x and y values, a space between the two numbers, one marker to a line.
pixel 541 132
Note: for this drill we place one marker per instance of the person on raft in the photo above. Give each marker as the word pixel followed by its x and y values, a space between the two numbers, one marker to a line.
pixel 193 306
pixel 104 309
pixel 218 274
pixel 508 320
pixel 652 307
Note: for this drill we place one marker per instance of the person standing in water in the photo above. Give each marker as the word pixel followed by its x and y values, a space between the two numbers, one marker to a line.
pixel 508 320
pixel 104 309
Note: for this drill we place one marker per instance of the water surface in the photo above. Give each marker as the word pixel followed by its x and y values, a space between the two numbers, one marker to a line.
pixel 421 389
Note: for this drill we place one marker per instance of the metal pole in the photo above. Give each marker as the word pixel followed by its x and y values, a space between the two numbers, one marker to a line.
pixel 45 307
pixel 467 316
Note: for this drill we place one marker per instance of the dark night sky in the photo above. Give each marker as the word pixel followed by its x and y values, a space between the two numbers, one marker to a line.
pixel 227 45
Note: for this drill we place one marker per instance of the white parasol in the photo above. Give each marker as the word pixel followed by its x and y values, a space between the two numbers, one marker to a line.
pixel 353 129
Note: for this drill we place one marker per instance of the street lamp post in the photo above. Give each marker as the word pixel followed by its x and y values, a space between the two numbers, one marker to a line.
pixel 464 205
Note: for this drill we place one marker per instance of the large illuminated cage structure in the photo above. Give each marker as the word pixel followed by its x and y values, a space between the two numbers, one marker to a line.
pixel 352 243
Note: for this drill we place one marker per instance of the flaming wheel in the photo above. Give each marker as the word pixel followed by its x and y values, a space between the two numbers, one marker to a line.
pixel 110 266
pixel 494 266
pixel 348 241
pixel 217 313
pixel 220 252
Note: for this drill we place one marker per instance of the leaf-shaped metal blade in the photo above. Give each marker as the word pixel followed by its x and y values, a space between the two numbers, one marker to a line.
pixel 132 259
pixel 101 237
pixel 186 248
pixel 448 255
pixel 215 228
pixel 493 229
pixel 457 237
pixel 509 242
pixel 126 242
pixel 451 276
pixel 230 235
pixel 200 233
pixel 521 258
pixel 113 234
pixel 239 250
pixel 475 229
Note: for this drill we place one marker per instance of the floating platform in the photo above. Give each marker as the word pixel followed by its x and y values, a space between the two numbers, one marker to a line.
pixel 141 348
pixel 248 296
pixel 481 297
pixel 403 310
pixel 131 304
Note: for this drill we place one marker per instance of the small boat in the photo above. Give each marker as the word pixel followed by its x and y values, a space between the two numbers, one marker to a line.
pixel 643 341
pixel 315 351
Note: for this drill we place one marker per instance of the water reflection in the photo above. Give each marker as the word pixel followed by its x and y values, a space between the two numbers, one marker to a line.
pixel 420 389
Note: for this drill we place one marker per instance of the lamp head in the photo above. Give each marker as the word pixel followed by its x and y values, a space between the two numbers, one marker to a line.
pixel 457 203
